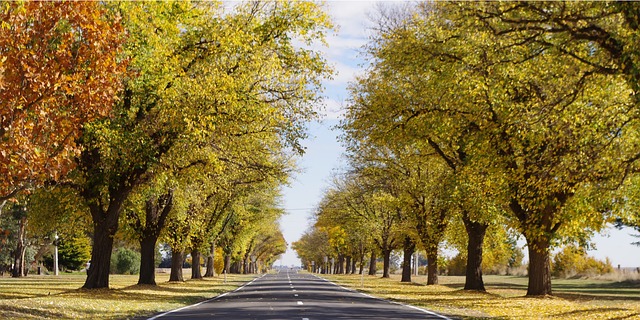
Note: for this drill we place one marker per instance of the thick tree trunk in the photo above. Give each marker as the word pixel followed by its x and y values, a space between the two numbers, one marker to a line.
pixel 156 212
pixel 386 256
pixel 539 268
pixel 408 249
pixel 476 232
pixel 18 255
pixel 432 266
pixel 148 260
pixel 372 264
pixel 348 265
pixel 103 234
pixel 196 271
pixel 105 226
pixel 177 259
pixel 340 264
pixel 210 267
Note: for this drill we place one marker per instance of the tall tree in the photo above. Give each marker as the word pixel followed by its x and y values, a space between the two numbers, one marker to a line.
pixel 518 92
pixel 388 102
pixel 372 200
pixel 192 77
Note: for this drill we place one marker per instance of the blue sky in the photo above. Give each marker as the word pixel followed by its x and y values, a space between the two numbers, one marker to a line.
pixel 324 153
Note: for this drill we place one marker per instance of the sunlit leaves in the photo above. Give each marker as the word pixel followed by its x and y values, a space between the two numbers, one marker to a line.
pixel 533 112
pixel 60 68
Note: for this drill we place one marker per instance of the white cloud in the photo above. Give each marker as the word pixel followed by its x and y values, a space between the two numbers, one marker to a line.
pixel 344 74
pixel 333 109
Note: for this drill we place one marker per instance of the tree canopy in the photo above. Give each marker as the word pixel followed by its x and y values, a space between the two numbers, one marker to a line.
pixel 60 67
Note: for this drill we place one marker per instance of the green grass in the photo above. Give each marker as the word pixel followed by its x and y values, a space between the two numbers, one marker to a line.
pixel 505 297
pixel 50 297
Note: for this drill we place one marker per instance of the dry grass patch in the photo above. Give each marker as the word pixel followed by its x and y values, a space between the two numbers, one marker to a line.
pixel 505 297
pixel 48 297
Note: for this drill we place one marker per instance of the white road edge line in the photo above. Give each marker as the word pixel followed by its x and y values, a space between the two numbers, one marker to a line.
pixel 377 298
pixel 201 302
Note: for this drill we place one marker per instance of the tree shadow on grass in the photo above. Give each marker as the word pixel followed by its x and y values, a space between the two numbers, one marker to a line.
pixel 590 312
pixel 576 296
pixel 22 312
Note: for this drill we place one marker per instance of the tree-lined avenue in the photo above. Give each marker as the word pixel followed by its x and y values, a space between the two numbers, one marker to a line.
pixel 289 295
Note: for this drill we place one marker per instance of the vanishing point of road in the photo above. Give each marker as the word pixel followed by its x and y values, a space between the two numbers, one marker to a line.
pixel 292 296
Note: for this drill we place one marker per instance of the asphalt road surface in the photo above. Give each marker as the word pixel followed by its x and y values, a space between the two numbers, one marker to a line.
pixel 293 296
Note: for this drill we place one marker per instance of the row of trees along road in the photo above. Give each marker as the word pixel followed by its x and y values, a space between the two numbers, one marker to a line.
pixel 518 115
pixel 167 121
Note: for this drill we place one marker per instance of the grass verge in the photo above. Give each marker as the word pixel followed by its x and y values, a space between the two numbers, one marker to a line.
pixel 505 297
pixel 49 297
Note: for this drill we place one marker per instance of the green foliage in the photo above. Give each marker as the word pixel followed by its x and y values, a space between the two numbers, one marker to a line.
pixel 573 261
pixel 541 121
pixel 312 246
pixel 457 265
pixel 125 261
pixel 215 100
pixel 57 210
pixel 74 252
pixel 8 241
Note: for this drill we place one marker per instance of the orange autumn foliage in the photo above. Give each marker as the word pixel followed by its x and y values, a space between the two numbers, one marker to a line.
pixel 59 68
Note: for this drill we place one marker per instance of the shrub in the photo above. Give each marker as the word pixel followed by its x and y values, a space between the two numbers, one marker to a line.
pixel 125 261
pixel 573 261
pixel 218 261
pixel 74 252
pixel 457 266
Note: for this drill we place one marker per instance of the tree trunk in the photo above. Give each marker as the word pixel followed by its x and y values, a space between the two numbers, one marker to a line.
pixel 372 264
pixel 340 264
pixel 539 268
pixel 196 271
pixel 476 232
pixel 348 265
pixel 210 268
pixel 177 259
pixel 386 256
pixel 432 266
pixel 103 234
pixel 156 212
pixel 408 249
pixel 227 264
pixel 148 260
pixel 353 265
pixel 18 256
pixel 41 251
pixel 105 226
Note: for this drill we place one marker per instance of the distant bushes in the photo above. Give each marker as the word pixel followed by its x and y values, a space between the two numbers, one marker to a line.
pixel 574 262
pixel 125 261
pixel 570 262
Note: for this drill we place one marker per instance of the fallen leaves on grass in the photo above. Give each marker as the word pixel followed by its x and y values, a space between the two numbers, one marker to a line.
pixel 504 299
pixel 47 297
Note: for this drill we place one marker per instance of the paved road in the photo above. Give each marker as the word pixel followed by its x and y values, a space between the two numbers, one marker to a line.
pixel 292 296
